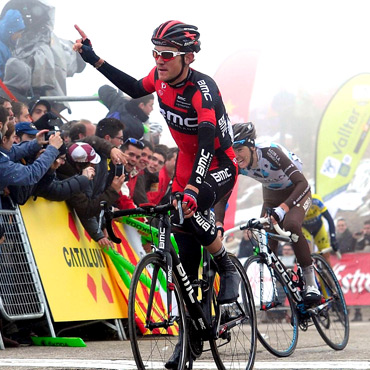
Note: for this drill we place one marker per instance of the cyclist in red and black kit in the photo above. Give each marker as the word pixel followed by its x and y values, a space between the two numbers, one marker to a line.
pixel 193 108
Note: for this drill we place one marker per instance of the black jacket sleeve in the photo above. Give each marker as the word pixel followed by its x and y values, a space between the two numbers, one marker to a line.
pixel 60 190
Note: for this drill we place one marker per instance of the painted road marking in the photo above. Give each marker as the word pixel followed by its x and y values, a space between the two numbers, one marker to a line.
pixel 130 365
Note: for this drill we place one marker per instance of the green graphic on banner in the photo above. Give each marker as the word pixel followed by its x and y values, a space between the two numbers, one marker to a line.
pixel 343 136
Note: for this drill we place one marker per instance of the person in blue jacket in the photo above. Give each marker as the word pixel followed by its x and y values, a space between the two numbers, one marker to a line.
pixel 12 173
pixel 11 27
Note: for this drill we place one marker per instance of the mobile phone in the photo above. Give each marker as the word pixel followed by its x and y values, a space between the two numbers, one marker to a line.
pixel 118 170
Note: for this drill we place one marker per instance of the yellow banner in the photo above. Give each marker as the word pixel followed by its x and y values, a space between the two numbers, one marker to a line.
pixel 343 136
pixel 73 269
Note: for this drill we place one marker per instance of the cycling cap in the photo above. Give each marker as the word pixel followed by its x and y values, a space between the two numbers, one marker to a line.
pixel 244 134
pixel 176 34
pixel 83 153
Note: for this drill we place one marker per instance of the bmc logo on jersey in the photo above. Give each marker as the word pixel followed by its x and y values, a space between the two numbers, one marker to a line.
pixel 205 90
pixel 177 120
pixel 203 165
pixel 221 175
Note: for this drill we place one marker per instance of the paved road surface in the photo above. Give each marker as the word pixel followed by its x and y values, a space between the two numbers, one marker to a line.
pixel 311 353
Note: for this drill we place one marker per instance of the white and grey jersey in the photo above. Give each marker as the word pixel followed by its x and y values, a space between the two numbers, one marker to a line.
pixel 275 165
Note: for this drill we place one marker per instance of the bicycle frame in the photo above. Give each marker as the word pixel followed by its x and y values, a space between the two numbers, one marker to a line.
pixel 262 237
pixel 200 321
pixel 271 259
pixel 150 230
pixel 172 261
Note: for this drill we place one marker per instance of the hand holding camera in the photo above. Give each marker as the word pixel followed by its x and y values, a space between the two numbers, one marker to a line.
pixel 55 140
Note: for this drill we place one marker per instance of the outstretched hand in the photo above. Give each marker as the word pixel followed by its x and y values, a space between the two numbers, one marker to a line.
pixel 84 47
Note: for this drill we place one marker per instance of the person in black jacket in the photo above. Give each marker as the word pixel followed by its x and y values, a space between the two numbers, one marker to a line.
pixel 51 187
pixel 346 240
pixel 132 112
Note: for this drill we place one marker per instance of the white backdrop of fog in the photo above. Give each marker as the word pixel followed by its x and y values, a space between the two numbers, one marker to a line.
pixel 310 47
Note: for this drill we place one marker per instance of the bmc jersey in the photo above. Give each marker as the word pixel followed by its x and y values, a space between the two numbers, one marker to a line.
pixel 196 116
pixel 275 165
pixel 186 107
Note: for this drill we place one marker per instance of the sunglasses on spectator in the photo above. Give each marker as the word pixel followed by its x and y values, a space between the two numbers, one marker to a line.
pixel 155 159
pixel 166 55
pixel 136 142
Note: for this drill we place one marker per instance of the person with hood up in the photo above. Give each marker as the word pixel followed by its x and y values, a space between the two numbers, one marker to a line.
pixel 11 27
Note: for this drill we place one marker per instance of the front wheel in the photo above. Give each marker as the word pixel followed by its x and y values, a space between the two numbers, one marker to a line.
pixel 277 320
pixel 154 332
pixel 235 347
pixel 331 320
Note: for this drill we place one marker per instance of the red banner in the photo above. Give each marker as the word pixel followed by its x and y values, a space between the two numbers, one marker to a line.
pixel 235 79
pixel 353 273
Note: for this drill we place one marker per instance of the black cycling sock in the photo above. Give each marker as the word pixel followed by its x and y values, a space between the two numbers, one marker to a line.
pixel 222 260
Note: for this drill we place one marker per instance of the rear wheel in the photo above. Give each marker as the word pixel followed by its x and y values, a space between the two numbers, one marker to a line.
pixel 153 332
pixel 235 347
pixel 276 316
pixel 331 320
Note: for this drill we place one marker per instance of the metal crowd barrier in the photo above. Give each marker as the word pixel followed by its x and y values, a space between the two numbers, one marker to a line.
pixel 21 293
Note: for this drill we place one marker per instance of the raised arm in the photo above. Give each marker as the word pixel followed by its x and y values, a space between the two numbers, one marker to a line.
pixel 122 80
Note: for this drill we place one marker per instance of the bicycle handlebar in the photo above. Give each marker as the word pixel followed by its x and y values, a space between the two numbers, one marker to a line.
pixel 142 211
pixel 258 223
pixel 330 249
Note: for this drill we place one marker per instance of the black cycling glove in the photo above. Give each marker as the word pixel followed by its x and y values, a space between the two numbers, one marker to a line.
pixel 88 54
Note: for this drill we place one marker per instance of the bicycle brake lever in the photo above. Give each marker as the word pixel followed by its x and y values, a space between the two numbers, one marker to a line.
pixel 178 197
pixel 181 213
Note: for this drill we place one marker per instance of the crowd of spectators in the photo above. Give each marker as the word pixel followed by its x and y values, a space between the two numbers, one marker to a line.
pixel 79 162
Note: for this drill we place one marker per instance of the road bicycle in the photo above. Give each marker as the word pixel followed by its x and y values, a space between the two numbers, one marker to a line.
pixel 184 313
pixel 277 293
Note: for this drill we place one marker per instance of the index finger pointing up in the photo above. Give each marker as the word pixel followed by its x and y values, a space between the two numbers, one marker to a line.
pixel 82 33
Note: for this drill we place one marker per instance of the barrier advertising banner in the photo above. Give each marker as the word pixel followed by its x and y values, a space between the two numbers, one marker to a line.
pixel 73 269
pixel 353 273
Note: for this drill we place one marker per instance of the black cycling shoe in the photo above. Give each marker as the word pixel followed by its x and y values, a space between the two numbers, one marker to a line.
pixel 173 361
pixel 229 287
